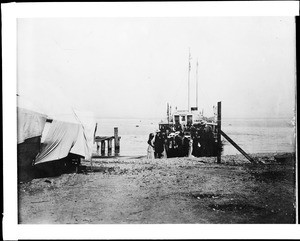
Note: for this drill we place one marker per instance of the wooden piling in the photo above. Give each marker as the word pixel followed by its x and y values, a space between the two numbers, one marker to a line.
pixel 219 132
pixel 98 147
pixel 117 140
pixel 103 147
pixel 109 144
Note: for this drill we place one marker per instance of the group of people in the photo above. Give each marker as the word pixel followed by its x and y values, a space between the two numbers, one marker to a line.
pixel 204 143
pixel 165 145
pixel 175 144
pixel 156 147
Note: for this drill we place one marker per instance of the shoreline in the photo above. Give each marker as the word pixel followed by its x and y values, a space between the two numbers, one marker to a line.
pixel 265 157
pixel 156 191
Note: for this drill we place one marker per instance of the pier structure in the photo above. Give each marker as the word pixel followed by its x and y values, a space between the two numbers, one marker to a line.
pixel 102 140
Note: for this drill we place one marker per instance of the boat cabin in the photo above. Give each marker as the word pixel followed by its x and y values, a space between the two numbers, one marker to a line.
pixel 187 118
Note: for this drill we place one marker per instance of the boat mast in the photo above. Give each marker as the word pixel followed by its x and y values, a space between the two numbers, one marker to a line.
pixel 168 113
pixel 189 107
pixel 197 85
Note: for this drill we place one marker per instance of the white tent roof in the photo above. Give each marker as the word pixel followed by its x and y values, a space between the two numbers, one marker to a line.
pixel 50 101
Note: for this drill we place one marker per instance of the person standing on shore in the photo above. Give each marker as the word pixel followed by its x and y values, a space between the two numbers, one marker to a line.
pixel 158 145
pixel 150 150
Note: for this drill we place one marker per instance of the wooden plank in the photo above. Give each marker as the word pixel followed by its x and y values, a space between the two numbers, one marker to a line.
pixel 237 147
pixel 103 138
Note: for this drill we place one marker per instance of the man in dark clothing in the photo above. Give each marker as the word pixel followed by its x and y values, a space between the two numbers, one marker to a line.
pixel 196 144
pixel 185 146
pixel 209 141
pixel 193 131
pixel 203 142
pixel 158 145
pixel 178 141
pixel 169 148
pixel 165 140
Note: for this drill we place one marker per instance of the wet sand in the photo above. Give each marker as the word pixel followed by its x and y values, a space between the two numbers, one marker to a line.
pixel 174 191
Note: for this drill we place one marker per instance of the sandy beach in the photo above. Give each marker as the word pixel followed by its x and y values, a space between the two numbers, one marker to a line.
pixel 174 191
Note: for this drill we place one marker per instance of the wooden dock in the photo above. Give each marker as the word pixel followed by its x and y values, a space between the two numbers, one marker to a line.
pixel 101 141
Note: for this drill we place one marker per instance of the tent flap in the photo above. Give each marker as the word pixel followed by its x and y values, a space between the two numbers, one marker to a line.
pixel 30 124
pixel 60 139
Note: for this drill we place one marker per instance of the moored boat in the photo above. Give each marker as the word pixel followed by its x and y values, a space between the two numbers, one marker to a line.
pixel 188 132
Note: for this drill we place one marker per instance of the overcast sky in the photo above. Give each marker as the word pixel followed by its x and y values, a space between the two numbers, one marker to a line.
pixel 131 67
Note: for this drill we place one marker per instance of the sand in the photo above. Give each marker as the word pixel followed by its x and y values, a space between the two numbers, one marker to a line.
pixel 174 191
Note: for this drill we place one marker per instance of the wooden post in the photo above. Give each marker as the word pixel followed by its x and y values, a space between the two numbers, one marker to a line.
pixel 98 147
pixel 103 147
pixel 95 132
pixel 219 132
pixel 237 147
pixel 109 146
pixel 117 140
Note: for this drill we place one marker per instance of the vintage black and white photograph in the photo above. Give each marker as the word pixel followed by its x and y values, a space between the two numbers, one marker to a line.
pixel 156 120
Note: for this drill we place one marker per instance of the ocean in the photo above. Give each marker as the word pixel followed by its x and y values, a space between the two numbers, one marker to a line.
pixel 252 135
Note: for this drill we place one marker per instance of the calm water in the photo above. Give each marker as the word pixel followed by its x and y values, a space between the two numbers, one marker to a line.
pixel 253 135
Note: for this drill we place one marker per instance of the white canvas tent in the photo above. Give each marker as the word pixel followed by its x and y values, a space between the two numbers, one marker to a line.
pixel 69 131
pixel 30 124
pixel 64 137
